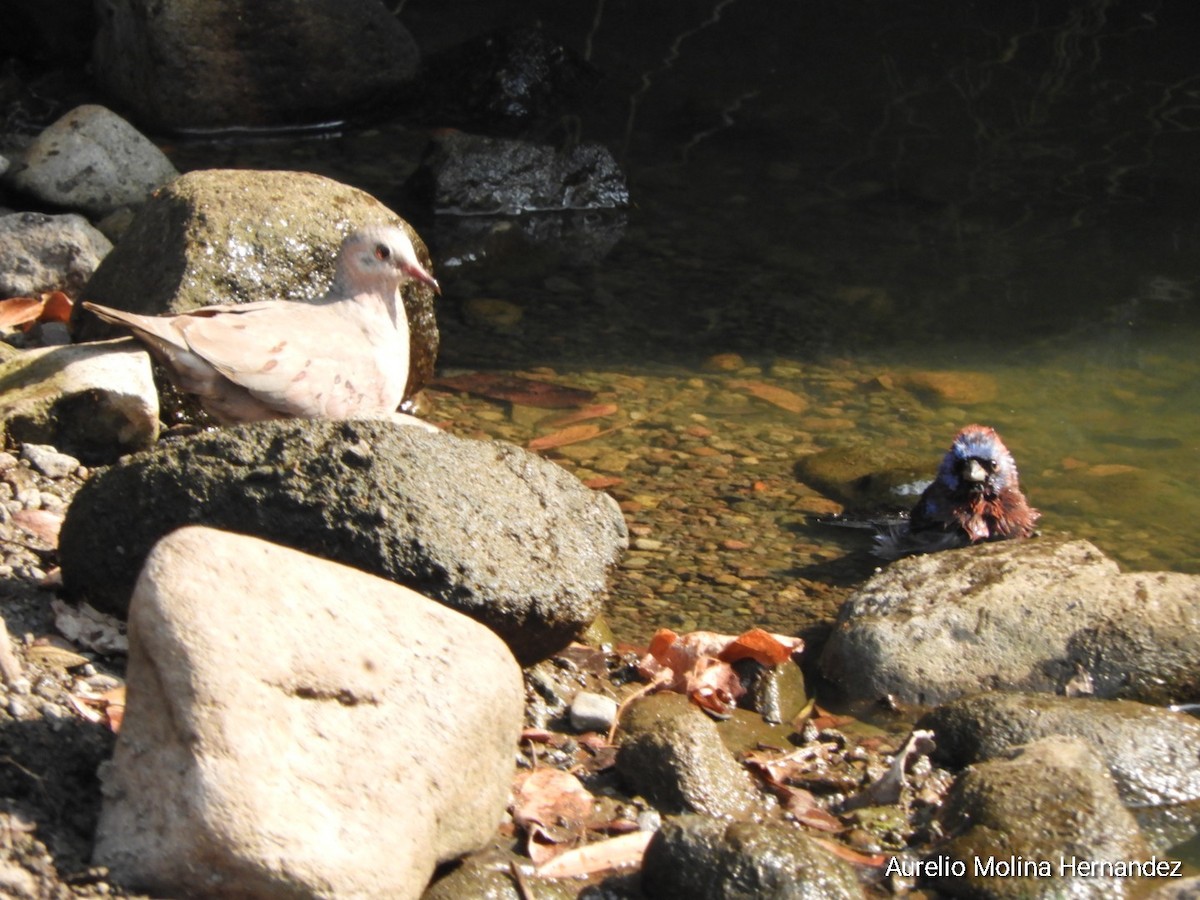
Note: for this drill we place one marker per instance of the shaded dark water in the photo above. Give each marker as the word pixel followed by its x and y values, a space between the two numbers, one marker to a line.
pixel 1004 188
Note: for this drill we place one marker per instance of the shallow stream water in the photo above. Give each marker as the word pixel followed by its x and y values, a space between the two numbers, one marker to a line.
pixel 843 194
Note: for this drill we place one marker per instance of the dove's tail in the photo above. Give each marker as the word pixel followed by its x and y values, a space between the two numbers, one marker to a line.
pixel 157 332
pixel 161 336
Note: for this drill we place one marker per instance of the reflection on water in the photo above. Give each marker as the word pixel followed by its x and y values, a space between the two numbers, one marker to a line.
pixel 838 190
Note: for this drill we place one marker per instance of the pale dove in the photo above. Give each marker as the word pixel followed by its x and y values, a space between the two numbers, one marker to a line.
pixel 344 355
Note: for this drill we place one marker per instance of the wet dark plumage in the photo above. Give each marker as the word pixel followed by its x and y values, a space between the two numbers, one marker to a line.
pixel 975 497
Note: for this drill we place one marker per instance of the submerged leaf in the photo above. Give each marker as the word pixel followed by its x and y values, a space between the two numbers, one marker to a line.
pixel 781 397
pixel 515 389
pixel 595 411
pixel 575 434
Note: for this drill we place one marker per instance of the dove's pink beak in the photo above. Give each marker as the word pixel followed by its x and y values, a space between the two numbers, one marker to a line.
pixel 417 273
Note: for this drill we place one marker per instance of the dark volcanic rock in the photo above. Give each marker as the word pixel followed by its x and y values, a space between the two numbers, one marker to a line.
pixel 473 175
pixel 697 858
pixel 485 527
pixel 506 82
pixel 217 64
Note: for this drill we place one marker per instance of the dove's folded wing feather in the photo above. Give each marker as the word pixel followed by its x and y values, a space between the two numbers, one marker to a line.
pixel 310 372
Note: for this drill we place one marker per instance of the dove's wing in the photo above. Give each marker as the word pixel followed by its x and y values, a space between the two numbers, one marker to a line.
pixel 303 359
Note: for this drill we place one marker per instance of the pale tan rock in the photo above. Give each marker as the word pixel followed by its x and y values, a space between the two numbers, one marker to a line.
pixel 97 401
pixel 297 728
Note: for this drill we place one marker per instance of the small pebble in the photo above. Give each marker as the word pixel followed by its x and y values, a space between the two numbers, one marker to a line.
pixel 49 461
pixel 644 543
pixel 592 712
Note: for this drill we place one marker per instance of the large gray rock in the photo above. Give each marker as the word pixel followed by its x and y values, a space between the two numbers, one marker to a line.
pixel 1049 802
pixel 1028 615
pixel 214 64
pixel 96 401
pixel 92 160
pixel 48 253
pixel 487 528
pixel 232 236
pixel 296 728
pixel 697 858
pixel 1152 753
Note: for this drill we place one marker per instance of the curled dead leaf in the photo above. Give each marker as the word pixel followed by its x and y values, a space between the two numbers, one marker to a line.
pixel 107 707
pixel 550 797
pixel 20 311
pixel 623 851
pixel 57 307
pixel 761 646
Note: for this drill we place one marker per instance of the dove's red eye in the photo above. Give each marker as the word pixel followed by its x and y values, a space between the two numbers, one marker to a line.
pixel 382 251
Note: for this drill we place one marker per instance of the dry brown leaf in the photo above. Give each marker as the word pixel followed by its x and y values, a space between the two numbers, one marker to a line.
pixel 86 710
pixel 52 653
pixel 574 434
pixel 777 396
pixel 20 311
pixel 623 851
pixel 551 797
pixel 681 664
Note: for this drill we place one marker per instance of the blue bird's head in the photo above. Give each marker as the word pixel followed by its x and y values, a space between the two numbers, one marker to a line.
pixel 977 463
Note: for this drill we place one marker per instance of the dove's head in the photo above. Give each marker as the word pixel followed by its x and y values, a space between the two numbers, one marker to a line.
pixel 381 256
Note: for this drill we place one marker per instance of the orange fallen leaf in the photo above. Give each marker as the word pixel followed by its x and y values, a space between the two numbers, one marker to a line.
pixel 57 308
pixel 52 306
pixel 623 851
pixel 781 397
pixel 761 646
pixel 573 434
pixel 600 482
pixel 20 310
pixel 699 663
